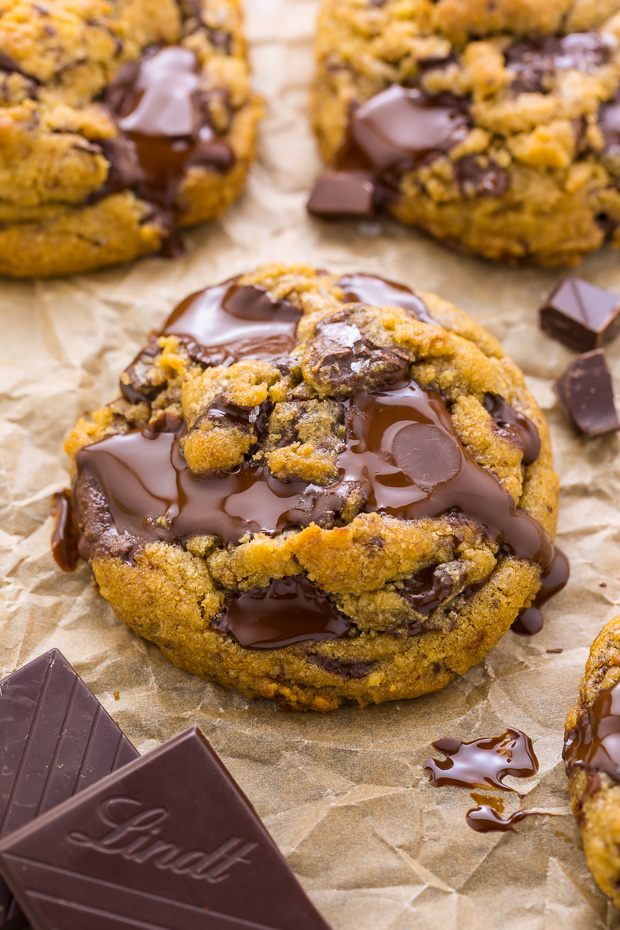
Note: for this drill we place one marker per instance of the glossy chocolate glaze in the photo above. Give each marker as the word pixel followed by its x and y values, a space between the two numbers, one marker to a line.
pixel 483 762
pixel 164 128
pixel 228 322
pixel 402 455
pixel 516 424
pixel 289 610
pixel 64 535
pixel 594 743
pixel 379 292
pixel 553 579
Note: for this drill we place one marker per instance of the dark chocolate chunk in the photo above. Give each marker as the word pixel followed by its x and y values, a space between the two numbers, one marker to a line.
pixel 480 176
pixel 428 589
pixel 586 392
pixel 581 315
pixel 56 740
pixel 343 193
pixel 609 119
pixel 168 843
pixel 346 669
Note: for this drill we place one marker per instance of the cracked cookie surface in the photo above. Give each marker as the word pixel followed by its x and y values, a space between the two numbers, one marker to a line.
pixel 593 760
pixel 316 488
pixel 121 121
pixel 495 127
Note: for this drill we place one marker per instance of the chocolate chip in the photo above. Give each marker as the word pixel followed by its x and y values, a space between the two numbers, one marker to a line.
pixel 581 315
pixel 428 589
pixel 142 381
pixel 585 390
pixel 480 176
pixel 534 63
pixel 609 121
pixel 518 427
pixel 345 669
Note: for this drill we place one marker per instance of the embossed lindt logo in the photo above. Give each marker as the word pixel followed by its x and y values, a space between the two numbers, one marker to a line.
pixel 134 835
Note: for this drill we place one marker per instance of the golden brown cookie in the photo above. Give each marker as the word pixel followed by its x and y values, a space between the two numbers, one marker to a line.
pixel 493 126
pixel 120 121
pixel 317 488
pixel 592 757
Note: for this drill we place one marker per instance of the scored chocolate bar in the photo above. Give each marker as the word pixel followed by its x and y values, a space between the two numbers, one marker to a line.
pixel 55 740
pixel 170 841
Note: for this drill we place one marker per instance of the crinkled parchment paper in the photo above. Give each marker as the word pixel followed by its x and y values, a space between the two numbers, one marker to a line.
pixel 344 795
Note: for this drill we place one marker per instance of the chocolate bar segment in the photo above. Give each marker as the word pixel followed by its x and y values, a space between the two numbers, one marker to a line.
pixel 56 739
pixel 168 842
pixel 581 315
pixel 586 392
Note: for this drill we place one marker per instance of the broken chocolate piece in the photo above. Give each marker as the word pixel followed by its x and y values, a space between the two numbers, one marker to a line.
pixel 56 740
pixel 586 392
pixel 343 193
pixel 168 842
pixel 581 315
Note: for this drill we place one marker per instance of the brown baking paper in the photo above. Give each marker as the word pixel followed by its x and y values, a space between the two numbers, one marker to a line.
pixel 344 794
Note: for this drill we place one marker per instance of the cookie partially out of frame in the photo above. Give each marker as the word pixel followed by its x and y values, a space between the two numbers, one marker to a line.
pixel 492 126
pixel 316 488
pixel 592 757
pixel 120 121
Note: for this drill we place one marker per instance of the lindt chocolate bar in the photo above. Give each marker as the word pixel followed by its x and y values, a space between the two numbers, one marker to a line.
pixel 586 392
pixel 581 315
pixel 170 841
pixel 55 740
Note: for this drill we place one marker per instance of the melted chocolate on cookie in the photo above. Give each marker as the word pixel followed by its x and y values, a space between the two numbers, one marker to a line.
pixel 163 127
pixel 594 743
pixel 398 130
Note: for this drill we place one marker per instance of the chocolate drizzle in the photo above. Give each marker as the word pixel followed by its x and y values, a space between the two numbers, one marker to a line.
pixel 64 535
pixel 398 130
pixel 594 743
pixel 223 324
pixel 289 610
pixel 164 129
pixel 553 579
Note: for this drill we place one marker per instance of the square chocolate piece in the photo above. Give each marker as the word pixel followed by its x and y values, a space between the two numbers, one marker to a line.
pixel 581 315
pixel 55 740
pixel 586 392
pixel 168 842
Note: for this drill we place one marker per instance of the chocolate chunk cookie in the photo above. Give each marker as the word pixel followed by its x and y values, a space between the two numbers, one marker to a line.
pixel 120 123
pixel 492 126
pixel 592 757
pixel 317 488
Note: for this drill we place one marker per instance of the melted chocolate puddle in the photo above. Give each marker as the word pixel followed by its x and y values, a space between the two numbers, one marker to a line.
pixel 402 454
pixel 228 322
pixel 65 534
pixel 164 129
pixel 594 743
pixel 289 610
pixel 554 578
pixel 481 763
